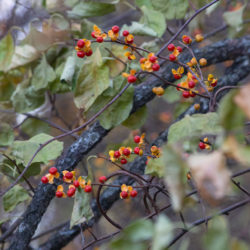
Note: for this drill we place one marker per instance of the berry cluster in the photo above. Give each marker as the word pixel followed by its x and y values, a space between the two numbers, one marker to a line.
pixel 150 63
pixel 204 144
pixel 211 82
pixel 68 178
pixel 127 192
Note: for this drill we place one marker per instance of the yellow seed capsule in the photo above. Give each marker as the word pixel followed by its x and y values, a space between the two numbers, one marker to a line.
pixel 203 62
pixel 193 61
pixel 197 106
pixel 188 176
pixel 210 77
pixel 208 146
pixel 158 91
pixel 154 149
pixel 210 89
pixel 141 152
pixel 111 153
pixel 205 139
pixel 199 38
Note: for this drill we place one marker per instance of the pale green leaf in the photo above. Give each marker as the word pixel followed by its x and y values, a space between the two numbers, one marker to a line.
pixel 137 119
pixel 6 52
pixel 140 29
pixel 175 170
pixel 13 197
pixel 163 233
pixel 6 134
pixel 90 9
pixel 22 151
pixel 43 74
pixel 81 210
pixel 25 98
pixel 172 9
pixel 217 236
pixel 92 80
pixel 34 126
pixel 155 167
pixel 194 126
pixel 146 3
pixel 69 70
pixel 154 20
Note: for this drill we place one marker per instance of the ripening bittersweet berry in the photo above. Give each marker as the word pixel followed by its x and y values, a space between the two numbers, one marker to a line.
pixel 125 33
pixel 137 139
pixel 115 29
pixel 53 170
pixel 117 154
pixel 172 57
pixel 124 194
pixel 102 179
pixel 44 180
pixel 137 150
pixel 123 161
pixel 87 189
pixel 171 47
pixel 133 193
pixel 155 67
pixel 131 78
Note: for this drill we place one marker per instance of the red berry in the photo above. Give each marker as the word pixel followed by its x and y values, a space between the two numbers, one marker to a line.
pixel 179 49
pixel 193 77
pixel 123 161
pixel 177 76
pixel 44 180
pixel 131 78
pixel 115 29
pixel 125 33
pixel 53 170
pixel 171 47
pixel 126 151
pixel 87 189
pixel 69 175
pixel 99 39
pixel 80 43
pixel 124 194
pixel 59 194
pixel 133 193
pixel 155 67
pixel 185 94
pixel 136 150
pixel 191 84
pixel 93 34
pixel 76 183
pixel 202 145
pixel 192 94
pixel 130 41
pixel 80 54
pixel 117 154
pixel 213 84
pixel 89 53
pixel 71 192
pixel 102 179
pixel 152 59
pixel 179 85
pixel 172 57
pixel 137 139
pixel 187 40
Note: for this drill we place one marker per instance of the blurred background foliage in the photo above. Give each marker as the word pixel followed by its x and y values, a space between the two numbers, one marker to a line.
pixel 41 75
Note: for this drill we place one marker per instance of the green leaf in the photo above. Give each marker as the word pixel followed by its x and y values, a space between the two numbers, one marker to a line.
pixel 119 110
pixel 171 95
pixel 6 134
pixel 6 52
pixel 140 29
pixel 175 170
pixel 217 236
pixel 92 80
pixel 194 126
pixel 23 55
pixel 163 233
pixel 90 9
pixel 13 197
pixel 171 9
pixel 68 71
pixel 24 150
pixel 81 210
pixel 230 115
pixel 9 169
pixel 146 3
pixel 34 126
pixel 43 74
pixel 154 20
pixel 155 167
pixel 235 18
pixel 137 119
pixel 25 98
pixel 133 235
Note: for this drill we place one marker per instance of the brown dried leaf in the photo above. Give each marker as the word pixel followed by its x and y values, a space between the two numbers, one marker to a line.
pixel 211 176
pixel 242 99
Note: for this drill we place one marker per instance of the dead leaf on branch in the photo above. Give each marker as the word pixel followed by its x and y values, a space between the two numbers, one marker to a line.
pixel 211 176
